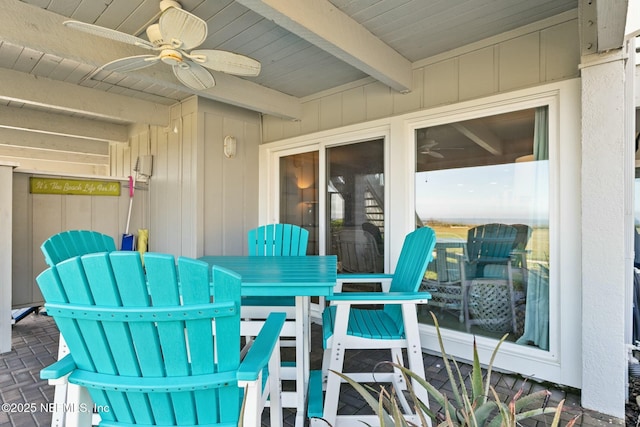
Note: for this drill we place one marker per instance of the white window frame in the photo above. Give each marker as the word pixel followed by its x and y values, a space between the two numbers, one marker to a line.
pixel 562 363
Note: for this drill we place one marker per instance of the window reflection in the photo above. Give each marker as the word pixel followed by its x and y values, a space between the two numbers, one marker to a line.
pixel 483 185
pixel 355 189
pixel 299 194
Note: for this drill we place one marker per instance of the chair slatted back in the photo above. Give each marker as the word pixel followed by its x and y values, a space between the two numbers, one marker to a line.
pixel 68 244
pixel 415 256
pixel 490 242
pixel 144 341
pixel 489 245
pixel 358 252
pixel 278 240
pixel 523 234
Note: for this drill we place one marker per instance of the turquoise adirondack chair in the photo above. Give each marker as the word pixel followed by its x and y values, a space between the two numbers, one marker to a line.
pixel 68 244
pixel 57 248
pixel 393 327
pixel 487 278
pixel 151 347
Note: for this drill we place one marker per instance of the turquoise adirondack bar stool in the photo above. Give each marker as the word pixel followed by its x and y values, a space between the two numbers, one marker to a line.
pixel 151 347
pixel 393 327
pixel 275 240
pixel 57 248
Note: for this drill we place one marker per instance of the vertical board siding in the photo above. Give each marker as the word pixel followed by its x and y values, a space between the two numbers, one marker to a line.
pixel 230 188
pixel 477 74
pixel 36 217
pixel 199 202
pixel 520 61
pixel 441 83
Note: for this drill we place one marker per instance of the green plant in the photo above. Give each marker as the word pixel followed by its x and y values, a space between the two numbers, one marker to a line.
pixel 473 405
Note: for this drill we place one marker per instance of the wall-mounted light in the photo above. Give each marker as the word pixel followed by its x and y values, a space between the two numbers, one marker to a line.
pixel 173 128
pixel 230 146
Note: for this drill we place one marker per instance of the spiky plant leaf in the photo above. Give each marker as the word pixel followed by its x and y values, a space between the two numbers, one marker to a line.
pixel 477 385
pixel 445 360
pixel 385 419
pixel 537 399
pixel 490 366
pixel 556 417
pixel 483 412
pixel 431 390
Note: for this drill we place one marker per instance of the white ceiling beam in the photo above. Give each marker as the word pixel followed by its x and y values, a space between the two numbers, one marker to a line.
pixel 56 124
pixel 22 24
pixel 602 25
pixel 322 24
pixel 612 20
pixel 482 136
pixel 14 141
pixel 40 91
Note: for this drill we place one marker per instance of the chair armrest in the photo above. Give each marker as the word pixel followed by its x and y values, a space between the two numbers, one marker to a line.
pixel 384 279
pixel 364 277
pixel 260 352
pixel 355 298
pixel 59 369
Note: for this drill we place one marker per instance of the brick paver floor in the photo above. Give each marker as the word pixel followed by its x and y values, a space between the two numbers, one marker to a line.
pixel 35 345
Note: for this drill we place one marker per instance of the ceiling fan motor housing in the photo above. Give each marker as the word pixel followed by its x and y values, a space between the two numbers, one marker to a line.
pixel 154 35
pixel 166 4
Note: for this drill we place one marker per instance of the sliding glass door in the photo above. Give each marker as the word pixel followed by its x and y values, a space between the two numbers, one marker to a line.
pixel 353 194
pixel 355 206
pixel 299 194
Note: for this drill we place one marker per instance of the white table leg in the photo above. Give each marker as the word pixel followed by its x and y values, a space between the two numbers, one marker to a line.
pixel 303 352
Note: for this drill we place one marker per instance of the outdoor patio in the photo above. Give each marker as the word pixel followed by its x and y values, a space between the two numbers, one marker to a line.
pixel 35 345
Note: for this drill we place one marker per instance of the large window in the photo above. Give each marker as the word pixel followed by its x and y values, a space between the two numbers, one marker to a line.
pixel 483 185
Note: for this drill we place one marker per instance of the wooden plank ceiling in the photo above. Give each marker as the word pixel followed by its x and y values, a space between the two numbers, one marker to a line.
pixel 304 46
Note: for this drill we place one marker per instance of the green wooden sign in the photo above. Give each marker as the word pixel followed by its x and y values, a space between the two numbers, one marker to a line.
pixel 73 186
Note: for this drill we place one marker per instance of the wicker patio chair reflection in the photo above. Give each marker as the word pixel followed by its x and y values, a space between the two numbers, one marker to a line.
pixel 487 278
pixel 358 252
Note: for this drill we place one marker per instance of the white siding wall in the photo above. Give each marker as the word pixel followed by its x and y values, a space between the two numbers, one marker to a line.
pixel 537 54
pixel 230 185
pixel 199 200
pixel 38 216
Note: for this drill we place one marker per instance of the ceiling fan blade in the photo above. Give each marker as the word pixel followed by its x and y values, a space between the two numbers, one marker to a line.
pixel 182 29
pixel 194 76
pixel 108 33
pixel 435 154
pixel 131 63
pixel 227 62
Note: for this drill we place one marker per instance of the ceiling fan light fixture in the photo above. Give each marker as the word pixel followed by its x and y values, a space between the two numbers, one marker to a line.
pixel 171 57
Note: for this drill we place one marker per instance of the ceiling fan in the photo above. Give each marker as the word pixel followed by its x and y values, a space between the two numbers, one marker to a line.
pixel 173 38
pixel 430 148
